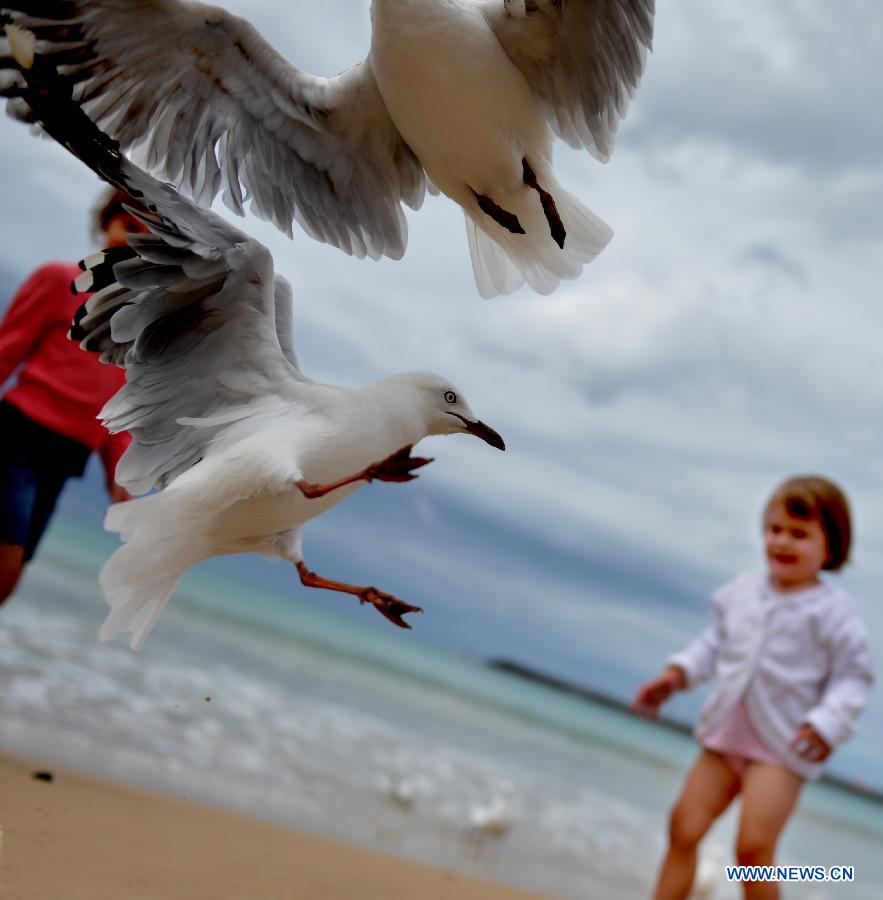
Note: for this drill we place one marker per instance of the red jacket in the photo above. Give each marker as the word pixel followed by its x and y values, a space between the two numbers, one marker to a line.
pixel 59 385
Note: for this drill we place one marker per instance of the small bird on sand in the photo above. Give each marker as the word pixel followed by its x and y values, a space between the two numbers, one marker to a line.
pixel 489 823
pixel 244 447
pixel 492 820
pixel 399 791
pixel 463 96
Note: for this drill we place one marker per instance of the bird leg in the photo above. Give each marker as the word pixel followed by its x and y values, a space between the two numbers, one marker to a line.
pixel 508 220
pixel 384 603
pixel 396 467
pixel 556 226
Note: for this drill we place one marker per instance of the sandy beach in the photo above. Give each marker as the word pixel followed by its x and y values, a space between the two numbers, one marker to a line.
pixel 80 838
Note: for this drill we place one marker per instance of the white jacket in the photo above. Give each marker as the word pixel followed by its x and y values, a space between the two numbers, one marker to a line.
pixel 794 658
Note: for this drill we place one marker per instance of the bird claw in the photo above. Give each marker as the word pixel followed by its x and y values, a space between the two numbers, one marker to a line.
pixel 398 467
pixel 388 606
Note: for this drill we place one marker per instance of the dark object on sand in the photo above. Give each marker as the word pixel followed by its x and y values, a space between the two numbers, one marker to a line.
pixel 42 775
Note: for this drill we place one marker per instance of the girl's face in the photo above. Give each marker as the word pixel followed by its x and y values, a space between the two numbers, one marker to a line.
pixel 796 549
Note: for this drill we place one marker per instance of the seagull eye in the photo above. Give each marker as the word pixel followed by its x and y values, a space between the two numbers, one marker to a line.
pixel 450 396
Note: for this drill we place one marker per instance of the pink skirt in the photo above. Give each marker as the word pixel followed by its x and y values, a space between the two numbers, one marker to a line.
pixel 738 742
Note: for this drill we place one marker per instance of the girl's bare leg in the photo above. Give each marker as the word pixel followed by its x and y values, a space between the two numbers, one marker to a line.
pixel 769 794
pixel 707 792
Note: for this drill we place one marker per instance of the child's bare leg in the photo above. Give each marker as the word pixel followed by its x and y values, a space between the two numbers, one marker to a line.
pixel 707 792
pixel 769 794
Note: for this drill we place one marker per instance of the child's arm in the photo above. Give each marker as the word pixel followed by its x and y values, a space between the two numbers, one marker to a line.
pixel 846 694
pixel 652 694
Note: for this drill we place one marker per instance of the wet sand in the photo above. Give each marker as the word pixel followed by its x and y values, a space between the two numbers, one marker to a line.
pixel 80 838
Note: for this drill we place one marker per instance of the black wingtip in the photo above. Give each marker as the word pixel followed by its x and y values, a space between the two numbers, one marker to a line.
pixel 100 269
pixel 77 332
pixel 49 95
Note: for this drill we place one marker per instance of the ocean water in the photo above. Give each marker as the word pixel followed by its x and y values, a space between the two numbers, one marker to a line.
pixel 247 699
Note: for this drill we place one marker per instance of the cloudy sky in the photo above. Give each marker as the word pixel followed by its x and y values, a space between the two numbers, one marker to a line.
pixel 728 337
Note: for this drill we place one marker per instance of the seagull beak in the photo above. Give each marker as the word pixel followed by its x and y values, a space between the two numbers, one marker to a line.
pixel 479 429
pixel 485 432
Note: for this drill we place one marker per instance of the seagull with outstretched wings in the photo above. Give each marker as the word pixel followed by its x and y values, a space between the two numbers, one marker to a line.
pixel 244 447
pixel 458 95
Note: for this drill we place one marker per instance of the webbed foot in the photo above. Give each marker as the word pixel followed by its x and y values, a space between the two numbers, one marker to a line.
pixel 387 605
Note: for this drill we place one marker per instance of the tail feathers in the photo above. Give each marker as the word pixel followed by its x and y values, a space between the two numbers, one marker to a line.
pixel 503 261
pixel 494 272
pixel 138 579
pixel 137 582
pixel 587 233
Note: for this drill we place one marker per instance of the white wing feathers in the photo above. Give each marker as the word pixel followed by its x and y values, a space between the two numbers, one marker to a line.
pixel 584 58
pixel 204 101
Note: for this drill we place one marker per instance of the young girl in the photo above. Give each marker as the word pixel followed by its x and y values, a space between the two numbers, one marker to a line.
pixel 793 668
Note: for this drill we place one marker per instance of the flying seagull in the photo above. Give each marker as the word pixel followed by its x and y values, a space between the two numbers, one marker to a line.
pixel 244 447
pixel 465 96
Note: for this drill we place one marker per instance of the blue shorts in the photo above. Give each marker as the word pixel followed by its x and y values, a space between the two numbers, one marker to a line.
pixel 35 462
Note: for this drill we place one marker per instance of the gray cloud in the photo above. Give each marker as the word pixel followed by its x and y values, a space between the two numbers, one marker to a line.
pixel 776 259
pixel 789 81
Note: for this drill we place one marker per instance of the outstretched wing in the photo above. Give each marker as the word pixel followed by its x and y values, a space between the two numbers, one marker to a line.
pixel 190 309
pixel 190 314
pixel 583 57
pixel 215 109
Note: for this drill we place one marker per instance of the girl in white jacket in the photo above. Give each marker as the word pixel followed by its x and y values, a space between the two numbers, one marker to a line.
pixel 793 667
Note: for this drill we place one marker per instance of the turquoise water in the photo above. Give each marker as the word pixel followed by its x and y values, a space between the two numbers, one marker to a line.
pixel 249 699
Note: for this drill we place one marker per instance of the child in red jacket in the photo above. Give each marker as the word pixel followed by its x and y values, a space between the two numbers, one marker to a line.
pixel 48 419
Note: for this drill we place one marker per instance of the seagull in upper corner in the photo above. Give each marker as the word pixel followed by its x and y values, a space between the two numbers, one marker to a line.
pixel 244 448
pixel 458 95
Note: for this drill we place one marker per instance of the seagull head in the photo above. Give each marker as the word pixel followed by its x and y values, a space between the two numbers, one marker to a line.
pixel 447 411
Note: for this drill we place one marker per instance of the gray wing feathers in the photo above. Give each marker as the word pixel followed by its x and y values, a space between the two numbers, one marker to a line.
pixel 191 315
pixel 285 319
pixel 584 58
pixel 205 101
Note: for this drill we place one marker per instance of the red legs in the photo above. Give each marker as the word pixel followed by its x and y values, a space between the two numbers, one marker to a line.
pixel 503 217
pixel 556 226
pixel 397 467
pixel 384 603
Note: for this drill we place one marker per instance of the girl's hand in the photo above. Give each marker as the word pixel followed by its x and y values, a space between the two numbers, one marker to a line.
pixel 652 694
pixel 809 744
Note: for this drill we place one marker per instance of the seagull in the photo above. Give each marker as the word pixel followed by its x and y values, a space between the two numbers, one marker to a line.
pixel 400 792
pixel 490 823
pixel 493 820
pixel 243 447
pixel 459 96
